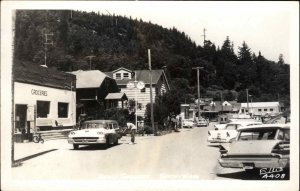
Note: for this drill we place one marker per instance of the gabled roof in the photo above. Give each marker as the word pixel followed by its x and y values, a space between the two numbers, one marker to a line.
pixel 121 69
pixel 89 79
pixel 141 75
pixel 116 96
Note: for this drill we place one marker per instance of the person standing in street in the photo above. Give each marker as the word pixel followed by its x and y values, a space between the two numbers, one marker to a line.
pixel 133 129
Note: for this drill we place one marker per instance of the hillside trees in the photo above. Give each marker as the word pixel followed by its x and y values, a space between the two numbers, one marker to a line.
pixel 117 41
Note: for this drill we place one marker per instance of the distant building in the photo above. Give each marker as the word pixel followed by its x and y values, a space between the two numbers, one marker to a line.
pixel 160 85
pixel 261 108
pixel 43 97
pixel 96 92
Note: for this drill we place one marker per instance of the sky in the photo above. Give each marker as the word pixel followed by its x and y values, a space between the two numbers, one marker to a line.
pixel 269 27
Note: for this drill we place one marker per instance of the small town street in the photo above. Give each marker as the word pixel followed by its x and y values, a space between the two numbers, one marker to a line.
pixel 177 156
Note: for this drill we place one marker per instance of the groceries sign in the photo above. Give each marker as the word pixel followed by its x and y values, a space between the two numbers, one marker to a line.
pixel 38 92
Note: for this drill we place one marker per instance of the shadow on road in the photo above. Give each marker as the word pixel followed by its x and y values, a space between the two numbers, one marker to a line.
pixel 217 146
pixel 254 175
pixel 94 147
pixel 19 161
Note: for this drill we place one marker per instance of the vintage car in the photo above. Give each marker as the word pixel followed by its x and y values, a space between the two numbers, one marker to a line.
pixel 259 146
pixel 188 123
pixel 202 123
pixel 223 125
pixel 229 133
pixel 95 132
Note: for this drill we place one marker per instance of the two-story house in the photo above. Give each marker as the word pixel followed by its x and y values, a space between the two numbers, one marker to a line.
pixel 160 85
pixel 96 92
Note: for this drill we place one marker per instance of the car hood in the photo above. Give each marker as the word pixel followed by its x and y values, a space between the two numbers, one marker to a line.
pixel 252 147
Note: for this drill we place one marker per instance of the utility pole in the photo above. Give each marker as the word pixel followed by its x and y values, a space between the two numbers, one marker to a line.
pixel 90 57
pixel 204 36
pixel 198 82
pixel 49 41
pixel 151 101
pixel 222 101
pixel 247 100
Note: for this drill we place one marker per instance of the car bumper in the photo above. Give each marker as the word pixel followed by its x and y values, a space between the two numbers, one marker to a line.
pixel 217 140
pixel 87 141
pixel 254 162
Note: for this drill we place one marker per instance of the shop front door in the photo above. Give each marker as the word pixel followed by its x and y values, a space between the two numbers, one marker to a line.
pixel 20 120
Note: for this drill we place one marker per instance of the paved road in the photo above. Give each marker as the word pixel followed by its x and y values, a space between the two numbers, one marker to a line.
pixel 176 156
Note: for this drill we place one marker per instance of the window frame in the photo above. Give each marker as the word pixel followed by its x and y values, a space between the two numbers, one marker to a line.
pixel 58 111
pixel 37 108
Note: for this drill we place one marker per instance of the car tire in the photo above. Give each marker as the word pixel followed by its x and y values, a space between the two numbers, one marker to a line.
pixel 75 147
pixel 116 142
pixel 107 142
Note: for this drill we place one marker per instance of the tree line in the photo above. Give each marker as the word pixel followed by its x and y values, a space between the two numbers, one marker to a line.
pixel 116 41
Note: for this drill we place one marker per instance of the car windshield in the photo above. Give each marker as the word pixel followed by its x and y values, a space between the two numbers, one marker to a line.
pixel 93 125
pixel 258 134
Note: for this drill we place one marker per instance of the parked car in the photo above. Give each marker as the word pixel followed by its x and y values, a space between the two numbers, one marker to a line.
pixel 259 146
pixel 96 132
pixel 229 133
pixel 223 125
pixel 188 123
pixel 202 123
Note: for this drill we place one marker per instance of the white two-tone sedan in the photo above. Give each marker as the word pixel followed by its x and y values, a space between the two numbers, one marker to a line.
pixel 259 146
pixel 95 132
pixel 229 133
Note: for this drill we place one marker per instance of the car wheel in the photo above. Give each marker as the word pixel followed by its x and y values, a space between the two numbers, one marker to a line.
pixel 107 142
pixel 116 142
pixel 75 146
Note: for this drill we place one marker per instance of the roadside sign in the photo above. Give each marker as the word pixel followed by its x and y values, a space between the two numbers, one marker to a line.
pixel 140 85
pixel 130 85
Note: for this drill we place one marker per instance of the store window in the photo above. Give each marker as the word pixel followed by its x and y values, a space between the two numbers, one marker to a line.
pixel 43 108
pixel 63 109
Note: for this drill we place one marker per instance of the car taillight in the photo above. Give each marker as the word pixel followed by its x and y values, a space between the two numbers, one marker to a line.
pixel 222 149
pixel 281 148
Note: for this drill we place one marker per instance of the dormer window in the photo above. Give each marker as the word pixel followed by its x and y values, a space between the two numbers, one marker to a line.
pixel 125 75
pixel 118 76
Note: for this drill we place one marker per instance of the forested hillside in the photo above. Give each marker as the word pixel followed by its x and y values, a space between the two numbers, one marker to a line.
pixel 117 41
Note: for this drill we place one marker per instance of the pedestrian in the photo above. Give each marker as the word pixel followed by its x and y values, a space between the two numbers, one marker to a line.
pixel 133 129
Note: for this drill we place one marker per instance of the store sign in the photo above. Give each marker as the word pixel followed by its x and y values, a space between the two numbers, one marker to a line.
pixel 39 92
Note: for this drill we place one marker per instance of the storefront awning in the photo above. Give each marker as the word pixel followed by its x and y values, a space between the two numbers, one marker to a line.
pixel 116 96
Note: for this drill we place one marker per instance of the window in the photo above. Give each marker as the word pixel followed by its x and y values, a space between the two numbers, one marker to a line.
pixel 118 76
pixel 271 109
pixel 243 110
pixel 125 75
pixel 63 109
pixel 265 109
pixel 231 127
pixel 258 134
pixel 259 109
pixel 143 90
pixel 43 108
